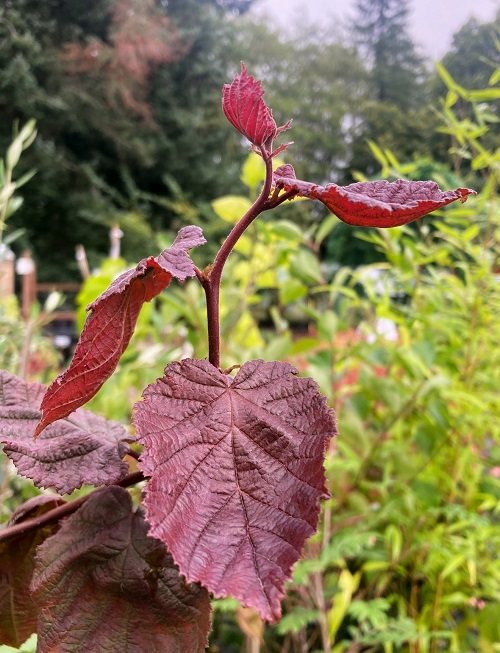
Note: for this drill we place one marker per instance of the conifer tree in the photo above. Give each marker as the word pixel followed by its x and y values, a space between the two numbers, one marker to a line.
pixel 381 33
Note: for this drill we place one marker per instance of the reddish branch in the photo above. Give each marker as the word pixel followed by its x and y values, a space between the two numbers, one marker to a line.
pixel 211 277
pixel 52 516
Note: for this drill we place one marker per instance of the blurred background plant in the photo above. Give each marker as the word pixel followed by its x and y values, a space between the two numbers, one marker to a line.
pixel 24 349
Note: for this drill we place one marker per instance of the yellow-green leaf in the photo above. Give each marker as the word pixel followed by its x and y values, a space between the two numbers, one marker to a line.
pixel 231 208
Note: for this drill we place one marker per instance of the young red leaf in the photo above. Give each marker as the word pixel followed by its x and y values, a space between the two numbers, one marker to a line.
pixel 18 611
pixel 236 467
pixel 83 449
pixel 245 109
pixel 373 203
pixel 111 323
pixel 103 585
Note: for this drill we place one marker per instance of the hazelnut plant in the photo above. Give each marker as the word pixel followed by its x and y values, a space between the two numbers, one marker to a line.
pixel 231 460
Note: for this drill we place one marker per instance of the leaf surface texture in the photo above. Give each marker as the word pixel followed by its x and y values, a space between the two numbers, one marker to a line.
pixel 373 203
pixel 236 467
pixel 104 585
pixel 82 449
pixel 111 323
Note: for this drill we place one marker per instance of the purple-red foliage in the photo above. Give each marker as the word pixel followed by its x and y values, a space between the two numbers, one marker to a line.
pixel 111 323
pixel 83 449
pixel 236 468
pixel 245 109
pixel 102 584
pixel 18 611
pixel 373 203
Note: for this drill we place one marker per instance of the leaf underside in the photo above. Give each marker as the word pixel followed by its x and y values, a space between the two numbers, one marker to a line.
pixel 18 611
pixel 83 449
pixel 104 585
pixel 236 467
pixel 373 203
pixel 111 323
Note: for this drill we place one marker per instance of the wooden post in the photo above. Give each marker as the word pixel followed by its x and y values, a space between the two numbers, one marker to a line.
pixel 115 235
pixel 6 272
pixel 81 259
pixel 25 267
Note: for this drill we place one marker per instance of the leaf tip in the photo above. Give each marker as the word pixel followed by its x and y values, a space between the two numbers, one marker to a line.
pixel 463 194
pixel 39 428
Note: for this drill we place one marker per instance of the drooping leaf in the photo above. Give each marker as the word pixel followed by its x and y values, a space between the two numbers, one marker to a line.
pixel 245 109
pixel 373 203
pixel 85 448
pixel 103 585
pixel 111 323
pixel 236 467
pixel 18 611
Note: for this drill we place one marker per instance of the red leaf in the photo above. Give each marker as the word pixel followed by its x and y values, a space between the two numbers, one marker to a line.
pixel 236 468
pixel 103 585
pixel 373 203
pixel 18 611
pixel 245 109
pixel 83 449
pixel 110 326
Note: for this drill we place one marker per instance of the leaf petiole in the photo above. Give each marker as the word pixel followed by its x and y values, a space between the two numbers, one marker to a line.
pixel 54 515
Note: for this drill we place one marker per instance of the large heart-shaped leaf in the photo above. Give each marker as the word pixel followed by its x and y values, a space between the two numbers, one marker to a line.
pixel 103 585
pixel 236 468
pixel 111 323
pixel 84 448
pixel 373 203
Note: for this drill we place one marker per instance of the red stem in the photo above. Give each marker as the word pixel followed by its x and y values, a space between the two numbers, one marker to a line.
pixel 211 278
pixel 58 513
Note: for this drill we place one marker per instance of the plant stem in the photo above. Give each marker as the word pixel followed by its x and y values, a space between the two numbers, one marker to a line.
pixel 211 277
pixel 11 532
pixel 5 205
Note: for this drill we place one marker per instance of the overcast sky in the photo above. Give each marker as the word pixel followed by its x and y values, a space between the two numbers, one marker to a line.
pixel 433 22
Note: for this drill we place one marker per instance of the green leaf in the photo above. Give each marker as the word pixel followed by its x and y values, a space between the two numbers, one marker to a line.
pixel 14 153
pixel 253 172
pixel 348 584
pixel 325 228
pixel 495 77
pixel 25 178
pixel 291 290
pixel 13 205
pixel 305 266
pixel 287 230
pixel 231 208
pixel 451 98
pixel 484 95
pixel 394 541
pixel 374 611
pixel 489 622
pixel 396 631
pixel 296 620
pixel 378 154
pixel 449 81
pixel 452 566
